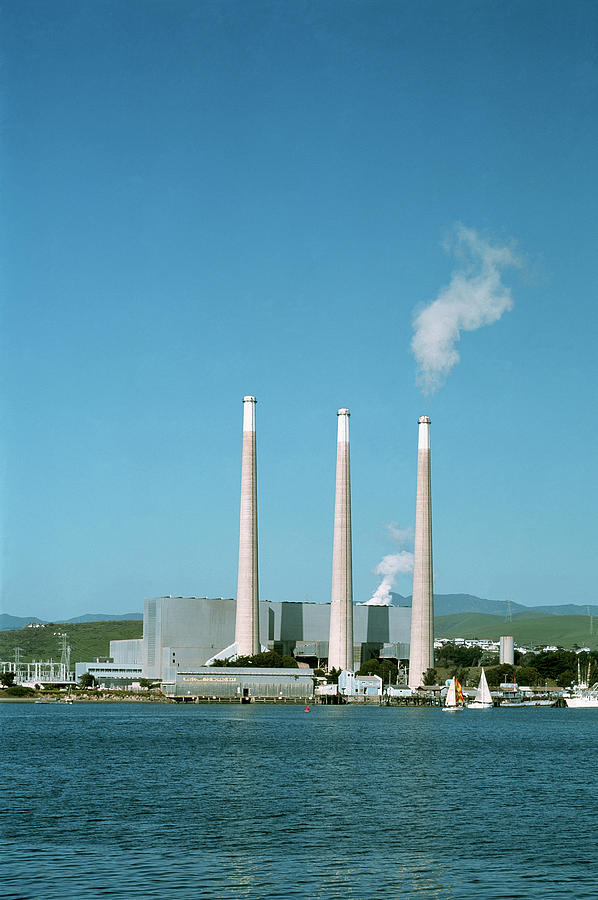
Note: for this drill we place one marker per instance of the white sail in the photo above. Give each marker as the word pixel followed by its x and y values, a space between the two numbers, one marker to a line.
pixel 451 696
pixel 483 694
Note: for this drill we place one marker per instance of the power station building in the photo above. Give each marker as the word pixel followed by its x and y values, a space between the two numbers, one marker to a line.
pixel 181 634
pixel 184 635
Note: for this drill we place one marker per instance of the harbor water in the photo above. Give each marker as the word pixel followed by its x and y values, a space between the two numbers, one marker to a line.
pixel 139 800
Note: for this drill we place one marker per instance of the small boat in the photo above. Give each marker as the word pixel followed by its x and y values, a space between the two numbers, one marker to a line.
pixel 584 697
pixel 455 701
pixel 483 697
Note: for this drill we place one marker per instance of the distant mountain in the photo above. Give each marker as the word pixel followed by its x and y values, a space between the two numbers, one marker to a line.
pixel 14 623
pixel 451 604
pixel 105 617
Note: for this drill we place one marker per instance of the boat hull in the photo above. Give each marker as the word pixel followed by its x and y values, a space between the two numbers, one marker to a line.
pixel 582 702
pixel 475 705
pixel 452 708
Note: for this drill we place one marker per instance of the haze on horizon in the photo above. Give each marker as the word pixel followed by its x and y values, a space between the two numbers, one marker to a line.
pixel 205 201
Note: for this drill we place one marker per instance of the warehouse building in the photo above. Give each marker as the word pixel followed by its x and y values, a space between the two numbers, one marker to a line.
pixel 240 685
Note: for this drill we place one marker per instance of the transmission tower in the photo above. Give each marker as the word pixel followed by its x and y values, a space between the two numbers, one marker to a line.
pixel 65 655
pixel 17 655
pixel 509 616
pixel 591 617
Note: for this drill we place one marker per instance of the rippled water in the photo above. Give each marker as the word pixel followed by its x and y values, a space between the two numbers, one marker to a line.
pixel 135 800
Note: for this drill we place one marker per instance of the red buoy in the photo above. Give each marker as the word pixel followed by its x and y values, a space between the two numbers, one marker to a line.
pixel 306 709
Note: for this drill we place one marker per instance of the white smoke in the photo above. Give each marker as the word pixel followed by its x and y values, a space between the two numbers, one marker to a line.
pixel 390 566
pixel 475 296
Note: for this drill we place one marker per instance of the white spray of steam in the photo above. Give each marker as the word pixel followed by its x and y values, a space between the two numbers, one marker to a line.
pixel 475 296
pixel 392 565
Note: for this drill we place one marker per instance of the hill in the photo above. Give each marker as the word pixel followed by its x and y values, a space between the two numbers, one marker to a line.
pixel 105 617
pixel 86 639
pixel 560 630
pixel 10 623
pixel 450 604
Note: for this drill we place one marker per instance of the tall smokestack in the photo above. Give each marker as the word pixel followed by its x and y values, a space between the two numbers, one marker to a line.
pixel 421 653
pixel 340 652
pixel 247 624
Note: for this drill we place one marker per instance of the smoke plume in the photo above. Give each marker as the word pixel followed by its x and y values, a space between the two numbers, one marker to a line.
pixel 390 566
pixel 475 297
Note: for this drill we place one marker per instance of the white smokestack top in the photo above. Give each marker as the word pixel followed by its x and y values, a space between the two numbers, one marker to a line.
pixel 423 441
pixel 475 296
pixel 343 426
pixel 421 651
pixel 340 651
pixel 247 620
pixel 249 413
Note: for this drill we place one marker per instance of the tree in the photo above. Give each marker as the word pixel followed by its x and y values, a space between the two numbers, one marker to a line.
pixel 430 676
pixel 449 656
pixel 146 683
pixel 269 659
pixel 332 675
pixel 7 679
pixel 528 675
pixel 387 670
pixel 497 675
pixel 289 662
pixel 87 680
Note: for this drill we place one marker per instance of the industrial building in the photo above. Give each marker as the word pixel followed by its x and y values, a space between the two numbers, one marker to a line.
pixel 232 684
pixel 122 668
pixel 183 633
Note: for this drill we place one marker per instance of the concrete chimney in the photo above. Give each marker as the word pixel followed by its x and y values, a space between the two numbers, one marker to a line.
pixel 421 653
pixel 340 652
pixel 247 622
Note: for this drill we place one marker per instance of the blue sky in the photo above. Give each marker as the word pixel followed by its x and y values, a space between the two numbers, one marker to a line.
pixel 206 200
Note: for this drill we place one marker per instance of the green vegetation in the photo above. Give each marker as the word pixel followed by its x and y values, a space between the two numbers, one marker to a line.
pixel 87 680
pixel 450 656
pixel 7 679
pixel 553 668
pixel 386 669
pixel 268 660
pixel 332 675
pixel 17 691
pixel 430 677
pixel 87 640
pixel 558 631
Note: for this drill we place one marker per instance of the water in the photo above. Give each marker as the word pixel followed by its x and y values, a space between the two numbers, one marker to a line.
pixel 146 801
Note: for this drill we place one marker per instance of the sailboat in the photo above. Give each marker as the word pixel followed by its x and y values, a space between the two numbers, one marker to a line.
pixel 583 696
pixel 454 701
pixel 483 697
